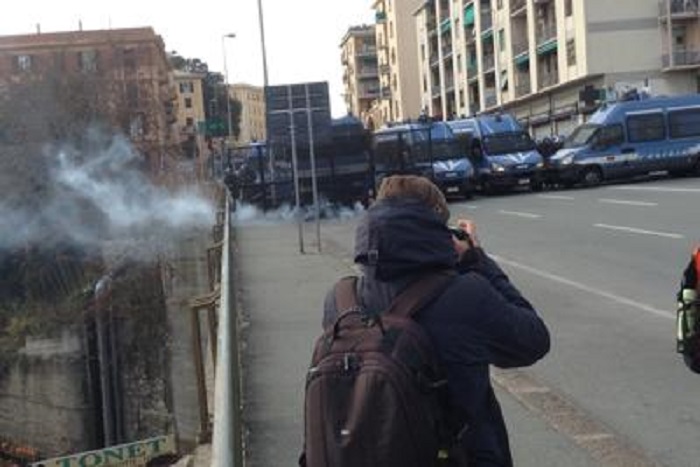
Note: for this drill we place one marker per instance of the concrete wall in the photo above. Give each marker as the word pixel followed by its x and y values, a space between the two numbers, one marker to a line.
pixel 44 401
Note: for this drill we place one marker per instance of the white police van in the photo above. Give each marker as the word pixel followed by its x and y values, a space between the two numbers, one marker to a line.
pixel 632 138
pixel 502 152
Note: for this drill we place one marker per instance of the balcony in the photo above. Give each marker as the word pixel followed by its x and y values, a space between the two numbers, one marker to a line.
pixel 545 32
pixel 681 59
pixel 547 80
pixel 385 92
pixel 380 17
pixel 490 100
pixel 368 72
pixel 434 59
pixel 435 90
pixel 489 63
pixel 365 51
pixel 385 69
pixel 449 84
pixel 445 25
pixel 369 93
pixel 475 106
pixel 518 7
pixel 520 48
pixel 522 86
pixel 472 69
pixel 679 9
pixel 446 51
pixel 486 20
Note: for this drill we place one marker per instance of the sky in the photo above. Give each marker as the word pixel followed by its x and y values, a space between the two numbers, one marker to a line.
pixel 302 36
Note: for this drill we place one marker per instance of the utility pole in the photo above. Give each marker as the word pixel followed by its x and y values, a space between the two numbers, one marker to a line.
pixel 228 95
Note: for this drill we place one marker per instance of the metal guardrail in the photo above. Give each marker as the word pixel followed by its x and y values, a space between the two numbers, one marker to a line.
pixel 226 435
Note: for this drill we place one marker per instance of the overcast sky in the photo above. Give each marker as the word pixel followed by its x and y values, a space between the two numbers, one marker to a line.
pixel 302 36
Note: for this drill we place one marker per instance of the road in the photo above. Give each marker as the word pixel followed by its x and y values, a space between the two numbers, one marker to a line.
pixel 602 265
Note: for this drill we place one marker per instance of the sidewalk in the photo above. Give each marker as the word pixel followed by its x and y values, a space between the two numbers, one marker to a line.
pixel 281 296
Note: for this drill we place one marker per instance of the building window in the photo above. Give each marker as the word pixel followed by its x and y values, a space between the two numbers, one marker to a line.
pixel 189 121
pixel 568 8
pixel 129 58
pixel 88 61
pixel 188 102
pixel 187 87
pixel 502 40
pixel 499 4
pixel 571 52
pixel 23 62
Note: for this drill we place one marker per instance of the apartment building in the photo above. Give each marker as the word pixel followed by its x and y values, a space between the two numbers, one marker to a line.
pixel 191 117
pixel 550 62
pixel 399 92
pixel 252 122
pixel 120 77
pixel 360 70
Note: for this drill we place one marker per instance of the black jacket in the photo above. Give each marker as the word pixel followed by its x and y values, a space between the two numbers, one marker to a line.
pixel 480 319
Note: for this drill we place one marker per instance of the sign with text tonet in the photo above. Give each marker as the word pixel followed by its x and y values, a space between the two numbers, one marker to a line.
pixel 136 454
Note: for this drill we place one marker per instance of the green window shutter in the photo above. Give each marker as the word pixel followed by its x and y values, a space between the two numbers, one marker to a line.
pixel 469 15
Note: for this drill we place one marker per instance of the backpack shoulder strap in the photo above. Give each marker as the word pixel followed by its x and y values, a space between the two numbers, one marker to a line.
pixel 346 294
pixel 421 292
pixel 696 259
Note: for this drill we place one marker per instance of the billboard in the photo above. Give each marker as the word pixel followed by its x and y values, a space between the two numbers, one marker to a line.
pixel 136 454
pixel 288 106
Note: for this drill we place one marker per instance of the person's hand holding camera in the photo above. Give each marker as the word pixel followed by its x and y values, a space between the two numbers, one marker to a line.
pixel 464 237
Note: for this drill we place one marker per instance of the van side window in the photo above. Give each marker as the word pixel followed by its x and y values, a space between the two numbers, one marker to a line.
pixel 646 127
pixel 611 135
pixel 684 123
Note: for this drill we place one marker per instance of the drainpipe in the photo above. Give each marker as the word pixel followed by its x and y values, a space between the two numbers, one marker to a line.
pixel 102 290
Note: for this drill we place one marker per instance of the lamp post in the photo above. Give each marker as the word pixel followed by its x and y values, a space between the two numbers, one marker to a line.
pixel 228 96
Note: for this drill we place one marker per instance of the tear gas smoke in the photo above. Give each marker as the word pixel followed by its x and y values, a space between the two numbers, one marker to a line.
pixel 247 214
pixel 90 195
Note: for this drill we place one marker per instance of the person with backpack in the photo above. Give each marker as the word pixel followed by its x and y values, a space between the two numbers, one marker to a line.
pixel 688 314
pixel 400 376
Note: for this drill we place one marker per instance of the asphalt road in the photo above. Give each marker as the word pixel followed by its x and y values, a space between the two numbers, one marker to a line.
pixel 602 265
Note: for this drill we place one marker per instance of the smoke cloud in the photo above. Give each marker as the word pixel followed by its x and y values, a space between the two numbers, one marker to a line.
pixel 247 214
pixel 89 195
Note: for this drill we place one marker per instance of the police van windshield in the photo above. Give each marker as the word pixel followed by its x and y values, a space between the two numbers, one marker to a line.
pixel 506 143
pixel 446 149
pixel 581 135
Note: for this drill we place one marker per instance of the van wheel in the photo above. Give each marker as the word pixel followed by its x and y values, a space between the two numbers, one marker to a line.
pixel 592 176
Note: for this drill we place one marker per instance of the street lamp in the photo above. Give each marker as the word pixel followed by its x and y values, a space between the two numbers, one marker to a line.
pixel 228 96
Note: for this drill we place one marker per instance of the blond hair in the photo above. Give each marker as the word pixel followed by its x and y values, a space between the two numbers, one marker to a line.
pixel 413 186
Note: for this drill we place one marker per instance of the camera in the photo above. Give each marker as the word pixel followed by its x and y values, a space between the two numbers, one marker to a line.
pixel 460 234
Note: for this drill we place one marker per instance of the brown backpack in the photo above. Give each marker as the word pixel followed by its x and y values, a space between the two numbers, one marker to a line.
pixel 375 391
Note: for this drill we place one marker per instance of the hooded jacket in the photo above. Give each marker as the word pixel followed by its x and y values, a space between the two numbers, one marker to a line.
pixel 479 320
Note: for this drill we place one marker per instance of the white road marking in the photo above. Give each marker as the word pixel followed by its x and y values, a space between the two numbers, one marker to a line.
pixel 639 231
pixel 627 202
pixel 527 215
pixel 471 206
pixel 586 288
pixel 659 189
pixel 562 197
